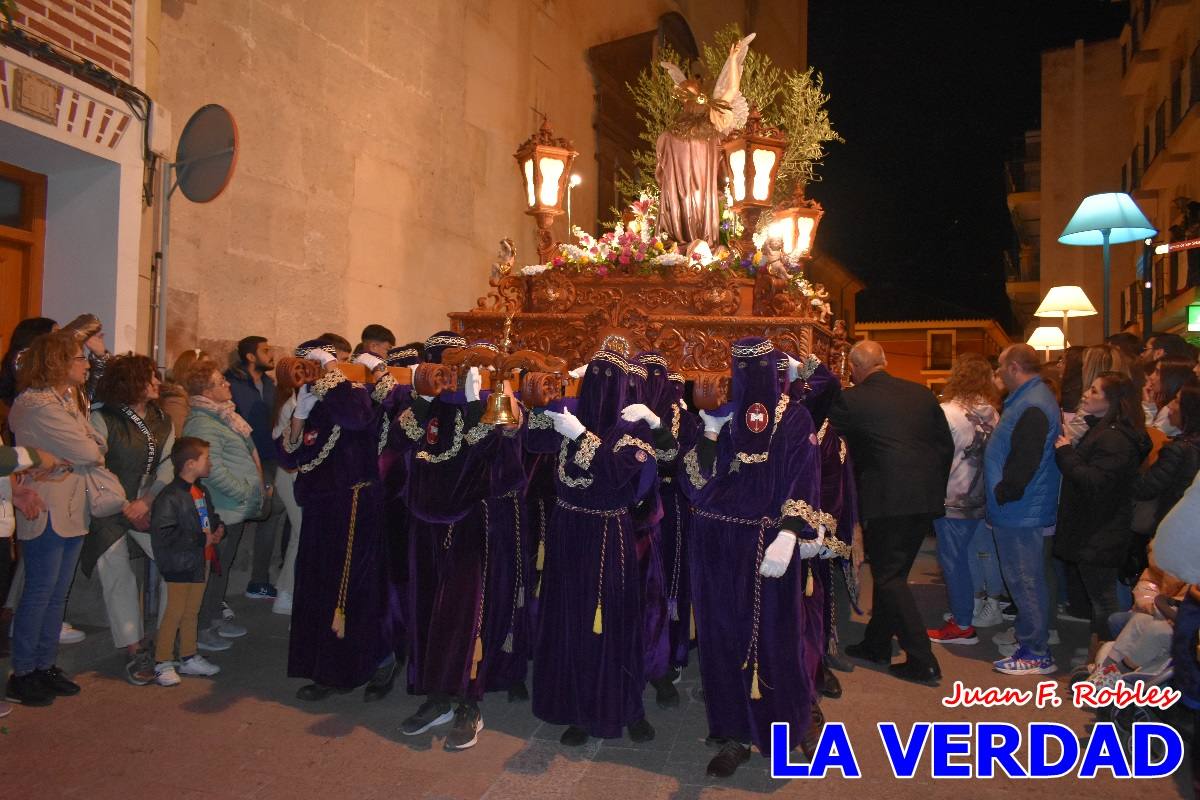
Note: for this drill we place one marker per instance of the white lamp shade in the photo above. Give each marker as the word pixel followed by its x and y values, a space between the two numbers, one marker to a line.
pixel 1114 212
pixel 1069 300
pixel 1047 338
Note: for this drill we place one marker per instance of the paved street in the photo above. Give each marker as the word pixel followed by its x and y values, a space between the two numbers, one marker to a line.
pixel 245 735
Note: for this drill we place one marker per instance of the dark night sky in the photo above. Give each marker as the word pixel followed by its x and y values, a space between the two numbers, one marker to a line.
pixel 930 97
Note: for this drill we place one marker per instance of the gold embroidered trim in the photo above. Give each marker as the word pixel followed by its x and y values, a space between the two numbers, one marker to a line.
pixel 597 512
pixel 383 434
pixel 639 370
pixel 633 441
pixel 612 358
pixel 676 376
pixel 478 433
pixel 815 518
pixel 326 449
pixel 587 450
pixel 653 358
pixel 574 483
pixel 540 422
pixel 750 351
pixel 761 458
pixel 838 547
pixel 842 451
pixel 454 448
pixel 327 381
pixel 408 422
pixel 691 464
pixel 821 433
pixel 383 386
pixel 447 341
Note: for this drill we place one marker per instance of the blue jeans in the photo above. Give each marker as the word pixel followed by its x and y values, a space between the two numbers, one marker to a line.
pixel 49 566
pixel 1024 567
pixel 956 551
pixel 985 563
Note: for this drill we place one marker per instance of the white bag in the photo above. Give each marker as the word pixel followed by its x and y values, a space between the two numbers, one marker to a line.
pixel 8 514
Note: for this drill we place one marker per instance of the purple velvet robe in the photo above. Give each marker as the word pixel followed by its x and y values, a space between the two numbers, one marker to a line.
pixel 676 529
pixel 338 452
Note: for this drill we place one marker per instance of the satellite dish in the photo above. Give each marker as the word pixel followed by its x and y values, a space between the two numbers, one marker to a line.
pixel 207 154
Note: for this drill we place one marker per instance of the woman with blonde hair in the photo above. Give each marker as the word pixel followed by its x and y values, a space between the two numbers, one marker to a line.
pixel 969 402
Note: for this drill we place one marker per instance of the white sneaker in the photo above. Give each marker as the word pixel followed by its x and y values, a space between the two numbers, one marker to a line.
pixel 209 640
pixel 283 603
pixel 1005 637
pixel 987 613
pixel 70 634
pixel 229 630
pixel 226 611
pixel 165 674
pixel 198 665
pixel 949 615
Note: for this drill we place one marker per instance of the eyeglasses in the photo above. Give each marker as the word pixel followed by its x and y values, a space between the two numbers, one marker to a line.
pixel 80 358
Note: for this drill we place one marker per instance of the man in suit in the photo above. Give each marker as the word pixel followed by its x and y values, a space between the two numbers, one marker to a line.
pixel 902 450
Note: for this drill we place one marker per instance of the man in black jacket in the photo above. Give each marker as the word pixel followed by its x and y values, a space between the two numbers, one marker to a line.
pixel 902 450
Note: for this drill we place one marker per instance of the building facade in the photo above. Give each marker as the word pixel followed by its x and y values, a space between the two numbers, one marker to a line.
pixel 923 351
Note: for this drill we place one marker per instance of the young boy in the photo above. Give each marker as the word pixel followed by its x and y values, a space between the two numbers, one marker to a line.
pixel 184 526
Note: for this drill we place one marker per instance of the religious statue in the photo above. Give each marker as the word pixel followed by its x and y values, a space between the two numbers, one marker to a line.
pixel 506 258
pixel 689 151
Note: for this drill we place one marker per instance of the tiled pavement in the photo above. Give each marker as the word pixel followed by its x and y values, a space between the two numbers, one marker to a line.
pixel 245 735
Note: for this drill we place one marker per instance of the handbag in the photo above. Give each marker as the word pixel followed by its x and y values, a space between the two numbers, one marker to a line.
pixel 105 494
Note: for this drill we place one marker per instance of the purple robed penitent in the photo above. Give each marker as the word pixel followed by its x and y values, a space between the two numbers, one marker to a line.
pixel 757 479
pixel 337 485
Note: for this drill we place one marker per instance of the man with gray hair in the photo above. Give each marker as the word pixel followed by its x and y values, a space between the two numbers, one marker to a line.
pixel 902 449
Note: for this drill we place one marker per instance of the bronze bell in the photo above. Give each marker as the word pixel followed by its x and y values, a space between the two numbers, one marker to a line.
pixel 499 410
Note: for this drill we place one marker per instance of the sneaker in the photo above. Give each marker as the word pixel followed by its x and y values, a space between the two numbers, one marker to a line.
pixel 229 630
pixel 261 591
pixel 468 722
pixel 950 633
pixel 5 709
pixel 987 614
pixel 283 603
pixel 208 640
pixel 198 665
pixel 1009 612
pixel 70 634
pixel 56 682
pixel 1008 637
pixel 226 611
pixel 139 670
pixel 1064 612
pixel 949 615
pixel 429 715
pixel 165 674
pixel 27 690
pixel 1105 676
pixel 1023 662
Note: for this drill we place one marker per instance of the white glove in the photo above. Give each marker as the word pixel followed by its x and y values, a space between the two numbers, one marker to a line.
pixel 566 424
pixel 305 402
pixel 793 369
pixel 472 384
pixel 810 548
pixel 320 356
pixel 683 405
pixel 779 555
pixel 714 424
pixel 428 398
pixel 578 372
pixel 640 411
pixel 369 360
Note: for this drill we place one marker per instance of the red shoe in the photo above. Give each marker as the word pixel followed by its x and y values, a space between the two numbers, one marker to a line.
pixel 950 633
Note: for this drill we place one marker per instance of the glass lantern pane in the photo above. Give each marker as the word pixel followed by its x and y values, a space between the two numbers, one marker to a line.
pixel 552 170
pixel 737 164
pixel 804 234
pixel 530 199
pixel 764 160
pixel 783 229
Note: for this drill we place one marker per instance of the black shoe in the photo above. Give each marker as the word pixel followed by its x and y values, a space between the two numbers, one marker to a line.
pixel 665 693
pixel 429 715
pixel 28 690
pixel 313 692
pixel 55 682
pixel 725 763
pixel 518 693
pixel 812 736
pixel 468 722
pixel 831 687
pixel 381 683
pixel 864 653
pixel 839 662
pixel 574 736
pixel 641 731
pixel 910 670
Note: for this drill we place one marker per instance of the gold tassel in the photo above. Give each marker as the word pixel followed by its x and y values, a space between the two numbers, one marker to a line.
pixel 808 584
pixel 508 643
pixel 541 556
pixel 537 590
pixel 476 658
pixel 339 623
pixel 521 597
pixel 692 636
pixel 597 622
pixel 755 694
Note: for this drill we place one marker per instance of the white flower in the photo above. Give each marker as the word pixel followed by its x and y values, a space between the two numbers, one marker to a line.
pixel 669 259
pixel 535 269
pixel 816 302
pixel 760 239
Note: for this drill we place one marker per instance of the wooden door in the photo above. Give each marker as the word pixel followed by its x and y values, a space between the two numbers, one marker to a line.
pixel 22 237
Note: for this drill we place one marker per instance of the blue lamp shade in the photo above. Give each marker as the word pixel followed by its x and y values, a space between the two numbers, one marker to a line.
pixel 1115 212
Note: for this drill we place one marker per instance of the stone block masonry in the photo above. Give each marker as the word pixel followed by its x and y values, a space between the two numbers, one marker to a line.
pixel 100 31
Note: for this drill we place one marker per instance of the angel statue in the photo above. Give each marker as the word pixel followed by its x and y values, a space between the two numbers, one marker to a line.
pixel 506 258
pixel 689 151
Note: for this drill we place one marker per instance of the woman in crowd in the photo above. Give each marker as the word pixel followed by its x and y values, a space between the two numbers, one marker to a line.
pixel 139 439
pixel 285 485
pixel 173 397
pixel 1163 383
pixel 47 415
pixel 89 332
pixel 236 483
pixel 969 403
pixel 1095 503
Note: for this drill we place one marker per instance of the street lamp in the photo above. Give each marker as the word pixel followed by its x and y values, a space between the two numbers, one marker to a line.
pixel 1069 301
pixel 752 157
pixel 544 162
pixel 1047 339
pixel 1107 219
pixel 797 224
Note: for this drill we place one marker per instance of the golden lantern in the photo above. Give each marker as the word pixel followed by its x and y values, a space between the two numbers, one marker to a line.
pixel 545 165
pixel 797 224
pixel 752 157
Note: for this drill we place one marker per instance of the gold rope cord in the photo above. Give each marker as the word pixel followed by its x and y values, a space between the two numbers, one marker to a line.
pixel 339 612
pixel 478 654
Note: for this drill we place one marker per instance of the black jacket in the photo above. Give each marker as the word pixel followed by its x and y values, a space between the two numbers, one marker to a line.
pixel 1095 505
pixel 1170 476
pixel 176 535
pixel 900 441
pixel 255 408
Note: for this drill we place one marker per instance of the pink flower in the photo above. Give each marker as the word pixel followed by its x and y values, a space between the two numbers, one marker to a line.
pixel 602 271
pixel 624 259
pixel 595 251
pixel 558 261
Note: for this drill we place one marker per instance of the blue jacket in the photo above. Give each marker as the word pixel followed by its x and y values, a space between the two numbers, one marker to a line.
pixel 1038 504
pixel 255 408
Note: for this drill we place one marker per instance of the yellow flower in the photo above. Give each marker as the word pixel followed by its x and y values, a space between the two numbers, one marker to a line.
pixel 757 259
